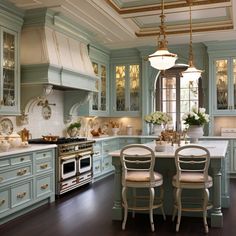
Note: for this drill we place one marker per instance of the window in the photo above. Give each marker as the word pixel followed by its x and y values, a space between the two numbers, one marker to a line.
pixel 175 95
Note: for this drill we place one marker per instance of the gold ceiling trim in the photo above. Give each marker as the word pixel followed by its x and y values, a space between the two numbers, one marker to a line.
pixel 183 31
pixel 157 7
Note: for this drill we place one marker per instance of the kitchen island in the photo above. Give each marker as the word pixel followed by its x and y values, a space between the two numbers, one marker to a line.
pixel 219 194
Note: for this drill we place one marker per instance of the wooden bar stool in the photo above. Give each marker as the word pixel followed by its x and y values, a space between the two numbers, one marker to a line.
pixel 138 163
pixel 192 163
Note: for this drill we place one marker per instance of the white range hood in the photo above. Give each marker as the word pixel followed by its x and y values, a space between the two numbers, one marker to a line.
pixel 50 57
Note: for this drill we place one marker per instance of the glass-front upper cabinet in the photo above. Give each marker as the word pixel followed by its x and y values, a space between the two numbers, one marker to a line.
pixel 9 92
pixel 126 99
pixel 99 102
pixel 225 85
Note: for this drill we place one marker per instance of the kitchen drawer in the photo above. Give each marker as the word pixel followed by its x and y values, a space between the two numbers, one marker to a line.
pixel 44 164
pixel 44 155
pixel 21 194
pixel 4 201
pixel 44 185
pixel 97 146
pixel 97 156
pixel 97 149
pixel 107 165
pixel 97 168
pixel 21 159
pixel 4 162
pixel 15 174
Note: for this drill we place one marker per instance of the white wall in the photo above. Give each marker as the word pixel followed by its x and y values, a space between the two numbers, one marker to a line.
pixel 38 126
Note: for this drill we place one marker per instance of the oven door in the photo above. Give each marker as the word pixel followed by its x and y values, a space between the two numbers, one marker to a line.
pixel 68 168
pixel 84 163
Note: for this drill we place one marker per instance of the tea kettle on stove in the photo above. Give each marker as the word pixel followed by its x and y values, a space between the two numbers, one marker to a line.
pixel 25 134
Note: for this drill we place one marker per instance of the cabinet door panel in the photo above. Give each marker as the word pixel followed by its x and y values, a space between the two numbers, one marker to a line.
pixel 222 83
pixel 97 168
pixel 126 87
pixel 44 185
pixel 4 201
pixel 9 88
pixel 21 194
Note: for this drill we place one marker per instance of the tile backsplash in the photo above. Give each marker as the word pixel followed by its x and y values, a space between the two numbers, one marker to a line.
pixel 39 126
pixel 223 122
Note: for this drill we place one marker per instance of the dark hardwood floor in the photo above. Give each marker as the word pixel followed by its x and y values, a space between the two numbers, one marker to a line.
pixel 87 212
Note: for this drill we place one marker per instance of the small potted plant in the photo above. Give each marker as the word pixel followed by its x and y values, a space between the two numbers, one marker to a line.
pixel 195 120
pixel 114 127
pixel 73 129
pixel 158 119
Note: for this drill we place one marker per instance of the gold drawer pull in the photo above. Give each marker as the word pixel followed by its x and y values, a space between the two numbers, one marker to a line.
pixel 22 172
pixel 44 166
pixel 2 202
pixel 1 178
pixel 44 186
pixel 21 195
pixel 22 159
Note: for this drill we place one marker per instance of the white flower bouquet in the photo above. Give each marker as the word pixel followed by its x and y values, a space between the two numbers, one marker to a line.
pixel 197 116
pixel 157 118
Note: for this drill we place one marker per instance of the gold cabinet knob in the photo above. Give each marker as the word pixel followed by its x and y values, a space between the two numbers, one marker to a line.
pixel 21 172
pixel 2 202
pixel 21 195
pixel 44 186
pixel 43 166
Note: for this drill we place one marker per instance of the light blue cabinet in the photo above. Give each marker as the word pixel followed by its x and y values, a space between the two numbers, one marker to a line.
pixel 27 180
pixel 232 163
pixel 222 78
pixel 126 90
pixel 98 103
pixel 102 165
pixel 10 28
pixel 224 85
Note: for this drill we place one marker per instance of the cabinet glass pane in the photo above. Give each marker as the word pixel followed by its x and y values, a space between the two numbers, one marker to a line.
pixel 120 88
pixel 95 94
pixel 9 61
pixel 103 87
pixel 134 87
pixel 222 84
pixel 234 77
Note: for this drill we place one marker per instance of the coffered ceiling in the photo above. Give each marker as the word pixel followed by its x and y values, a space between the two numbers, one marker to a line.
pixel 130 23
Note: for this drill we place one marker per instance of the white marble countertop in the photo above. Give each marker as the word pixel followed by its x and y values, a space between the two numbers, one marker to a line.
pixel 217 149
pixel 30 148
pixel 101 138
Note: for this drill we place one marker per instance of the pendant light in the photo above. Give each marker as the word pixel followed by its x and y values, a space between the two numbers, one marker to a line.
pixel 192 73
pixel 162 59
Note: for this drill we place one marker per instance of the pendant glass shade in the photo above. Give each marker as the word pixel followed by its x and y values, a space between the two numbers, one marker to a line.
pixel 192 73
pixel 162 59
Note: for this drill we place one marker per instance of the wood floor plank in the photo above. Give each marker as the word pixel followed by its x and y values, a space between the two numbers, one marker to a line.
pixel 87 211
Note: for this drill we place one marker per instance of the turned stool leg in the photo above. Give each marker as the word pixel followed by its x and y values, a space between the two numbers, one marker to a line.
pixel 125 207
pixel 152 195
